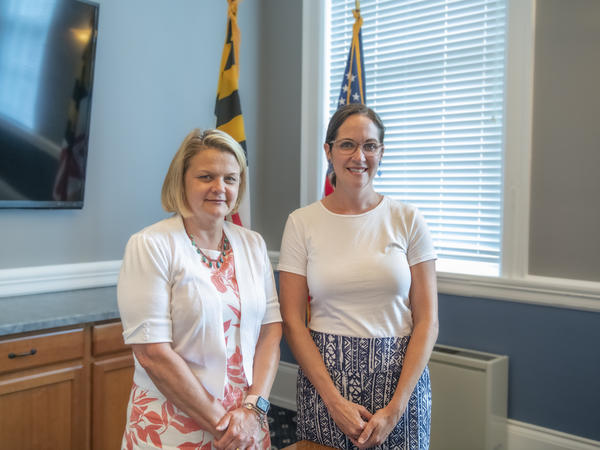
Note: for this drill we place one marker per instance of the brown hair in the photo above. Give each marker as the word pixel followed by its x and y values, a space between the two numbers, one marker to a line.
pixel 340 116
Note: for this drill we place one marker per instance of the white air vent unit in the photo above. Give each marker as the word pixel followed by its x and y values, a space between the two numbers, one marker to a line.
pixel 469 399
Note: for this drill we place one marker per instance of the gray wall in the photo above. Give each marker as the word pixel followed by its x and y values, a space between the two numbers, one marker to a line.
pixel 554 364
pixel 278 186
pixel 565 210
pixel 156 76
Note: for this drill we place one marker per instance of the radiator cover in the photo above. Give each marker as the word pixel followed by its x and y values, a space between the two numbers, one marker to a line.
pixel 469 399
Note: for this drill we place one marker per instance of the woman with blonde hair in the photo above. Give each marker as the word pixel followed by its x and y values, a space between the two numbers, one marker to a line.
pixel 198 304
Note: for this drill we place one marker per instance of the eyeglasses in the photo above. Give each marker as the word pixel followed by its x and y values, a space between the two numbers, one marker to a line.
pixel 348 147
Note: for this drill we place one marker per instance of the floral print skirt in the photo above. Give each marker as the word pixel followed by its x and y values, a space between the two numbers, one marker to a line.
pixel 154 422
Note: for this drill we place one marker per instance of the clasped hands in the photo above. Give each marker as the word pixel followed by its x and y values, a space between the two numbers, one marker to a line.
pixel 237 430
pixel 363 428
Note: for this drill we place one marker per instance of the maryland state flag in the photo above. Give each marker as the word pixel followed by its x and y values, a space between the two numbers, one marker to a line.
pixel 353 83
pixel 228 108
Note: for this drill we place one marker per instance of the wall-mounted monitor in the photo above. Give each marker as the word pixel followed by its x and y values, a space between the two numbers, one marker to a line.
pixel 47 50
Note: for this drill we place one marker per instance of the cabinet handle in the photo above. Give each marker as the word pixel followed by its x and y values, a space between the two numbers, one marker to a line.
pixel 11 355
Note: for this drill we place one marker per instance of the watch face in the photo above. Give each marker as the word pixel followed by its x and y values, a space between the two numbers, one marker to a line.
pixel 263 404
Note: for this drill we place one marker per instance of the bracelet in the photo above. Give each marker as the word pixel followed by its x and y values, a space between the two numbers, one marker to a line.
pixel 259 414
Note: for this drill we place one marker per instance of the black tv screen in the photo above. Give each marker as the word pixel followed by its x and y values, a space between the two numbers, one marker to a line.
pixel 47 50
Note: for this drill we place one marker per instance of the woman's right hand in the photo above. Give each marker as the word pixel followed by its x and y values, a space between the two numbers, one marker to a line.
pixel 239 429
pixel 350 417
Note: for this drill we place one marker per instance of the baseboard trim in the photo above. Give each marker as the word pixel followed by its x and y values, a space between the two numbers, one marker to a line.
pixel 525 436
pixel 521 435
pixel 62 277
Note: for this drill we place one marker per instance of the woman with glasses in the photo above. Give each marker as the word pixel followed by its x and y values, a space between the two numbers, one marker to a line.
pixel 367 263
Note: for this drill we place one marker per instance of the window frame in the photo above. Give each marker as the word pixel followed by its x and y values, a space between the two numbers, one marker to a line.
pixel 514 282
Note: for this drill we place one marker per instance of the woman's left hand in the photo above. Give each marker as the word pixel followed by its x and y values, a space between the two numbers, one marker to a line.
pixel 377 429
pixel 241 428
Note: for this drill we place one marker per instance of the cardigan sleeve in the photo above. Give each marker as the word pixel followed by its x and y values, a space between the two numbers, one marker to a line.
pixel 143 292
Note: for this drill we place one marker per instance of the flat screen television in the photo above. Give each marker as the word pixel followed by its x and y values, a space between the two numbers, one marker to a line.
pixel 47 50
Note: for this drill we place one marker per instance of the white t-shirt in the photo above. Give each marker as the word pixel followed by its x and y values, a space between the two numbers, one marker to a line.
pixel 357 266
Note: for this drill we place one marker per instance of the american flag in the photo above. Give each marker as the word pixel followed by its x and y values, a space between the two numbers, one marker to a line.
pixel 353 84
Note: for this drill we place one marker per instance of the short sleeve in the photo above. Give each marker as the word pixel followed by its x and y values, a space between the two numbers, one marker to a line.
pixel 143 292
pixel 420 243
pixel 293 256
pixel 272 313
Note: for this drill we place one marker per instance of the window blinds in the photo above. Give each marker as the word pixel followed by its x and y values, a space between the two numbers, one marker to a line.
pixel 435 74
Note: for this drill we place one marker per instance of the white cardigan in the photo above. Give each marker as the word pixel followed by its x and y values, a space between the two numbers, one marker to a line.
pixel 165 295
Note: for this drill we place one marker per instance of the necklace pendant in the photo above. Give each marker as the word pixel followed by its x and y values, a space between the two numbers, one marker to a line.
pixel 208 262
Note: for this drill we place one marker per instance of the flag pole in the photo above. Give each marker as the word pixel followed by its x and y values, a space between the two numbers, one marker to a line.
pixel 353 82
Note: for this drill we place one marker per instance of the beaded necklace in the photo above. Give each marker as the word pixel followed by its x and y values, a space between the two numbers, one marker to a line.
pixel 223 249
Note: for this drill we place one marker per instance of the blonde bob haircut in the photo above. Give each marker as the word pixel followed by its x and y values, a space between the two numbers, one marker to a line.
pixel 173 196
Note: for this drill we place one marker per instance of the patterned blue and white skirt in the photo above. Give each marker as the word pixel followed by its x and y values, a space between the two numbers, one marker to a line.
pixel 366 372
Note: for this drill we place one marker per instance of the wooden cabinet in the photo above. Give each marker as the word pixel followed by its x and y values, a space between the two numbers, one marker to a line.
pixel 64 389
pixel 39 349
pixel 43 401
pixel 112 374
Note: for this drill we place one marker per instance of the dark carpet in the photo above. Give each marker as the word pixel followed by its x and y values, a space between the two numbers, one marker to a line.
pixel 282 424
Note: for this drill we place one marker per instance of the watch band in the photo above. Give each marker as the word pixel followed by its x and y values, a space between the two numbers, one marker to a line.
pixel 261 404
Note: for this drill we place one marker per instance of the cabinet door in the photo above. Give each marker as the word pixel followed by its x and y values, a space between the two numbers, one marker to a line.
pixel 44 409
pixel 111 384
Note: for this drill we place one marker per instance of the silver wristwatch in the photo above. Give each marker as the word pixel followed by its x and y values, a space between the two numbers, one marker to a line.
pixel 258 404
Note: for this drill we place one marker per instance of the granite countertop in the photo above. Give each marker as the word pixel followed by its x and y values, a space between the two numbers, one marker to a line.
pixel 57 309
